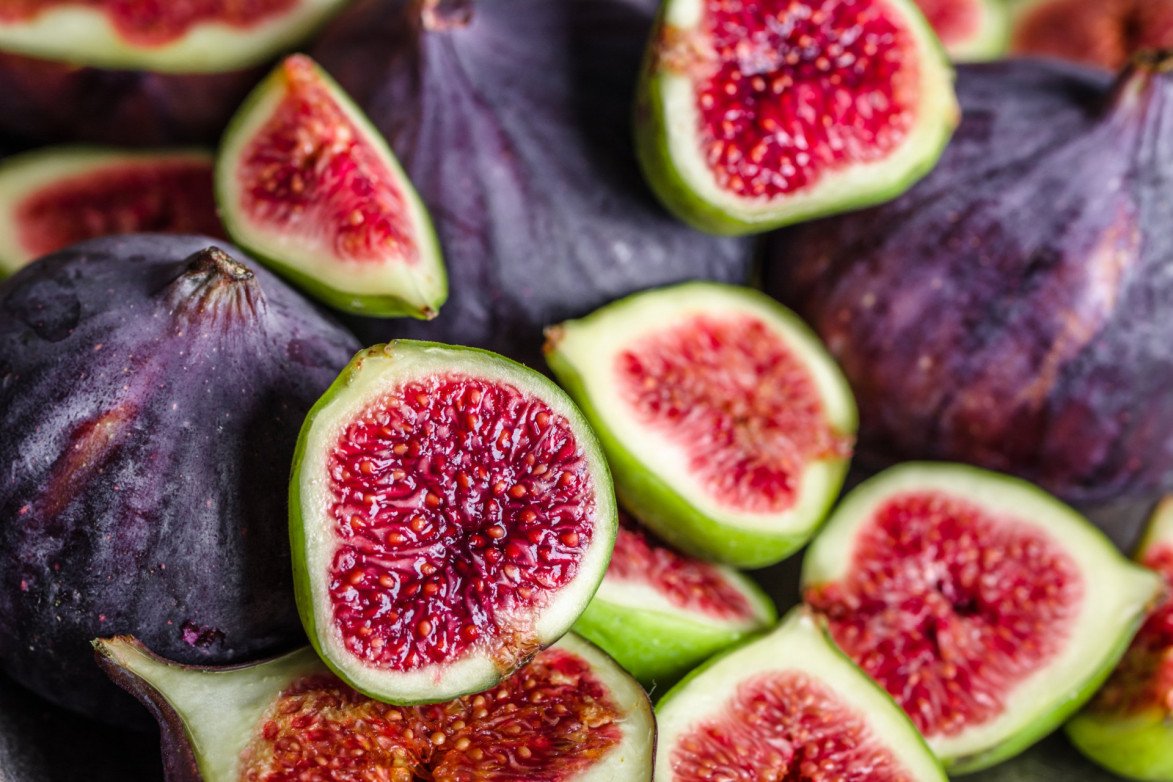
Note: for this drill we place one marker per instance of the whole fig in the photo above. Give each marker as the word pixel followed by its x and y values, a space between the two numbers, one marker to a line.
pixel 151 392
pixel 1012 310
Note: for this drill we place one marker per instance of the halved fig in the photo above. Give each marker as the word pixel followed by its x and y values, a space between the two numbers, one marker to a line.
pixel 307 184
pixel 787 706
pixel 189 37
pixel 970 30
pixel 571 715
pixel 989 610
pixel 58 196
pixel 451 515
pixel 728 426
pixel 1105 33
pixel 768 112
pixel 660 613
pixel 1128 727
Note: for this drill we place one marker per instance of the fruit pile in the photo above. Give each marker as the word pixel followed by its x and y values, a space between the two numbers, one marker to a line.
pixel 504 540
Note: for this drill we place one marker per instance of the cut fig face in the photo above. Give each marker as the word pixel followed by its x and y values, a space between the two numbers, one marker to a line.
pixel 571 715
pixel 1128 727
pixel 194 37
pixel 58 196
pixel 660 613
pixel 768 112
pixel 1104 33
pixel 970 30
pixel 727 426
pixel 988 609
pixel 307 184
pixel 786 706
pixel 451 513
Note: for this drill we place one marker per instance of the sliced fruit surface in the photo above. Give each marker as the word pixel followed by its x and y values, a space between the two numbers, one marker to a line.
pixel 571 715
pixel 57 196
pixel 1105 33
pixel 786 706
pixel 306 183
pixel 970 30
pixel 762 113
pixel 1128 726
pixel 987 608
pixel 660 613
pixel 451 515
pixel 179 37
pixel 727 425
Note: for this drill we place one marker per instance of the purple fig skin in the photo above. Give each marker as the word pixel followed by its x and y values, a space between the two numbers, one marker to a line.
pixel 151 393
pixel 513 120
pixel 1011 310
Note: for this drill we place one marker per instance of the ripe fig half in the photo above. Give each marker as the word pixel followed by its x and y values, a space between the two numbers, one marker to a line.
pixel 571 715
pixel 1105 33
pixel 190 37
pixel 787 706
pixel 452 514
pixel 970 30
pixel 728 427
pixel 769 112
pixel 987 608
pixel 307 184
pixel 57 196
pixel 1128 727
pixel 660 613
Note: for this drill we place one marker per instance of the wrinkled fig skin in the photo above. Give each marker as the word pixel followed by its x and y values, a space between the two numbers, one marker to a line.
pixel 1012 309
pixel 150 409
pixel 512 118
pixel 46 101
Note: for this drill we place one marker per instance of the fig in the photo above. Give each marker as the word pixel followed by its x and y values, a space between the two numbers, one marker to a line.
pixel 524 161
pixel 1103 33
pixel 786 706
pixel 451 515
pixel 152 388
pixel 660 613
pixel 57 196
pixel 728 427
pixel 307 185
pixel 770 112
pixel 1128 726
pixel 1007 311
pixel 140 72
pixel 987 608
pixel 970 30
pixel 572 714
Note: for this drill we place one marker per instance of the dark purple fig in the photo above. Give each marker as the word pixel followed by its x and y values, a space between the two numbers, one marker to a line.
pixel 1105 33
pixel 152 389
pixel 513 121
pixel 146 72
pixel 1010 311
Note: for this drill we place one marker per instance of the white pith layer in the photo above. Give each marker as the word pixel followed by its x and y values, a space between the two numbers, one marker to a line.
pixel 86 36
pixel 832 187
pixel 377 374
pixel 797 645
pixel 308 248
pixel 594 344
pixel 25 175
pixel 642 597
pixel 1112 602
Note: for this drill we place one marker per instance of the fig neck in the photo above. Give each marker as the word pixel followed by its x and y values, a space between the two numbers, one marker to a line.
pixel 215 287
pixel 1138 84
pixel 440 15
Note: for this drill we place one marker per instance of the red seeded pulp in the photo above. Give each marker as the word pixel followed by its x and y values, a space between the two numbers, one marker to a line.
pixel 948 606
pixel 457 503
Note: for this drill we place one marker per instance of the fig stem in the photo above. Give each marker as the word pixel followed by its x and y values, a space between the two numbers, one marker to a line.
pixel 1137 78
pixel 212 275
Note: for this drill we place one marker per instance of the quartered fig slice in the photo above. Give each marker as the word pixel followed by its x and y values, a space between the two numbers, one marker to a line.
pixel 987 608
pixel 786 706
pixel 58 196
pixel 571 715
pixel 1128 727
pixel 727 425
pixel 1106 33
pixel 762 113
pixel 660 613
pixel 970 30
pixel 451 515
pixel 307 184
pixel 189 37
